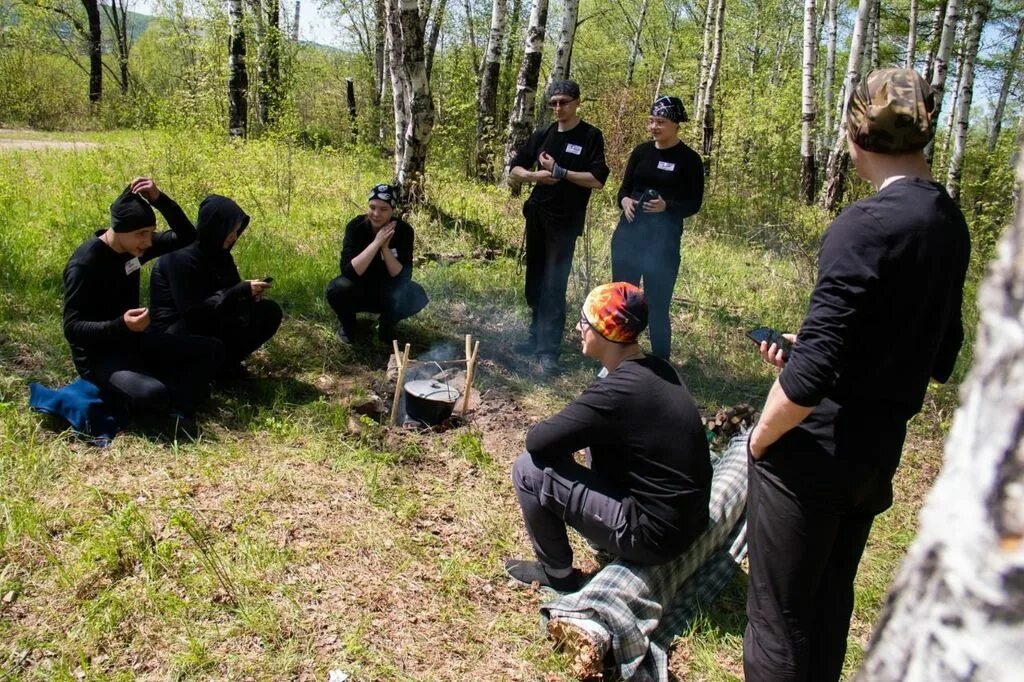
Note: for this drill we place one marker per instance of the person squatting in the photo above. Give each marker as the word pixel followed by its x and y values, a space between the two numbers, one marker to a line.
pixel 884 317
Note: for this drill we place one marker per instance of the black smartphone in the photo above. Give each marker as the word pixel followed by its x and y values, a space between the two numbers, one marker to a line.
pixel 267 280
pixel 771 336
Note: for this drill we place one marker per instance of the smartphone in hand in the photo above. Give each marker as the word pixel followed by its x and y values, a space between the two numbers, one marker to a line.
pixel 771 336
pixel 267 280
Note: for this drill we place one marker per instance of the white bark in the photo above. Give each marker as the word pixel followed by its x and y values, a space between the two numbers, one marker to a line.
pixel 807 113
pixel 705 57
pixel 521 119
pixel 912 35
pixel 1004 91
pixel 830 62
pixel 941 63
pixel 707 111
pixel 487 95
pixel 956 609
pixel 563 49
pixel 965 95
pixel 295 21
pixel 238 75
pixel 634 50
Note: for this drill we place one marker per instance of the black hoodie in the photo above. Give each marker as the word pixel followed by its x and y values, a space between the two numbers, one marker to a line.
pixel 200 283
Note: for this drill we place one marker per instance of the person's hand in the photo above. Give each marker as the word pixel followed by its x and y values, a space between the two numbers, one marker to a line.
pixel 136 319
pixel 383 237
pixel 629 208
pixel 258 288
pixel 755 450
pixel 773 354
pixel 655 205
pixel 145 188
pixel 543 177
pixel 546 161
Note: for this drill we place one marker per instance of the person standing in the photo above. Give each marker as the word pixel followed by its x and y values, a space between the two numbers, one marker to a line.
pixel 111 344
pixel 663 184
pixel 376 269
pixel 568 158
pixel 883 318
pixel 197 289
pixel 645 495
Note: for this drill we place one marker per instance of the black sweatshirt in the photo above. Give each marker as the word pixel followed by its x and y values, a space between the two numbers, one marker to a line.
pixel 677 173
pixel 98 290
pixel 358 235
pixel 200 282
pixel 885 313
pixel 580 149
pixel 645 434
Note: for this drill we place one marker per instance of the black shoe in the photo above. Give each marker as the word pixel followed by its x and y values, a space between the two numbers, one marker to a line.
pixel 548 364
pixel 232 374
pixel 530 572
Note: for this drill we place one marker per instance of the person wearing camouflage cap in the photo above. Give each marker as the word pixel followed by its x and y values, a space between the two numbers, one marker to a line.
pixel 883 318
pixel 565 161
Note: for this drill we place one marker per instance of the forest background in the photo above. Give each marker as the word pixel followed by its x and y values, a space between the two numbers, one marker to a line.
pixel 233 555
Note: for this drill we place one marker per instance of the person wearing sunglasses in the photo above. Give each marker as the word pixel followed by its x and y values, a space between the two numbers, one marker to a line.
pixel 644 496
pixel 663 185
pixel 565 161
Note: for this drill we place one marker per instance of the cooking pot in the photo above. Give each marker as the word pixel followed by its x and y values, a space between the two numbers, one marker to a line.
pixel 429 402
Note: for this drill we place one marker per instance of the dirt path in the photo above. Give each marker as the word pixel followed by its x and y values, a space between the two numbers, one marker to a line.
pixel 27 139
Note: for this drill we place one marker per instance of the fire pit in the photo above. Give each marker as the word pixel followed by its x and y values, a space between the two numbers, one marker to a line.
pixel 429 402
pixel 429 397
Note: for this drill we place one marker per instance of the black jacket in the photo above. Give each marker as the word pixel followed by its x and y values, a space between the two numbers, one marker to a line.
pixel 200 283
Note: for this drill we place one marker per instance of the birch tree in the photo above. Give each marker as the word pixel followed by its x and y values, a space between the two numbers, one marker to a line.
pixel 521 119
pixel 830 62
pixel 938 20
pixel 839 159
pixel 954 609
pixel 941 64
pixel 268 60
pixel 707 111
pixel 911 35
pixel 1004 90
pixel 965 94
pixel 94 44
pixel 295 21
pixel 807 115
pixel 117 18
pixel 414 105
pixel 705 57
pixel 634 48
pixel 487 96
pixel 238 76
pixel 563 48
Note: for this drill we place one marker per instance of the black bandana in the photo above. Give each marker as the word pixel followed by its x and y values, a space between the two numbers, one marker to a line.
pixel 567 88
pixel 670 108
pixel 130 212
pixel 386 193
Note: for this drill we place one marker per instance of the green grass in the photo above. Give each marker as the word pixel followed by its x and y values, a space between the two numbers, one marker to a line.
pixel 294 537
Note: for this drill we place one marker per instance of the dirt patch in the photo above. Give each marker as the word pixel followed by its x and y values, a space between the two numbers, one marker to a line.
pixel 12 140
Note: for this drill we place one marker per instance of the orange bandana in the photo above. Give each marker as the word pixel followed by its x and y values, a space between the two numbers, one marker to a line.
pixel 616 311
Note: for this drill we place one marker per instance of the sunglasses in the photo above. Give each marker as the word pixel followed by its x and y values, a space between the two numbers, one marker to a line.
pixel 557 103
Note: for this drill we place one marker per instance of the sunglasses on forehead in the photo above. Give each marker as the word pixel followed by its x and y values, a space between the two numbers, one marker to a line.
pixel 556 103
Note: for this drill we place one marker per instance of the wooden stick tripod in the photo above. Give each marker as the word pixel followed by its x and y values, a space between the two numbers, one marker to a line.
pixel 402 359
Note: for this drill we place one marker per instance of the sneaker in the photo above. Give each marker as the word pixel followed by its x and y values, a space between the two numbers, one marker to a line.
pixel 342 337
pixel 530 572
pixel 548 364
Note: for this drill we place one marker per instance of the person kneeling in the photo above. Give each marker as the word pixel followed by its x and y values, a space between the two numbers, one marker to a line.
pixel 644 497
pixel 376 269
pixel 197 290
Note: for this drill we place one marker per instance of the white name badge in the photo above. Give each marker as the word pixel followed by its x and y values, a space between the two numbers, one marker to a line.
pixel 131 266
pixel 394 252
pixel 574 149
pixel 666 166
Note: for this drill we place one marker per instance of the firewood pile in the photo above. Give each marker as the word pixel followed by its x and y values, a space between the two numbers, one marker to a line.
pixel 728 421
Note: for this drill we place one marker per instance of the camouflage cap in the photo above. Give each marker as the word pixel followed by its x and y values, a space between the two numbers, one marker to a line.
pixel 891 111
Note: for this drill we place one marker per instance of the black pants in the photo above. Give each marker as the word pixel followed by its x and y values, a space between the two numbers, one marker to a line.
pixel 648 249
pixel 550 245
pixel 808 518
pixel 241 331
pixel 394 301
pixel 155 373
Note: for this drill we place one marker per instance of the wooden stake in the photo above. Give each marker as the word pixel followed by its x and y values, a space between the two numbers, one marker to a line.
pixel 403 361
pixel 470 371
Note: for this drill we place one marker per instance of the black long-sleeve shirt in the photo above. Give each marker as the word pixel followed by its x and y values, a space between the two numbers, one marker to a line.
pixel 98 289
pixel 646 436
pixel 885 312
pixel 580 149
pixel 676 173
pixel 358 235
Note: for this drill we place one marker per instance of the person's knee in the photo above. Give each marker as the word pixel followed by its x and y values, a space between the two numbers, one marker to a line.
pixel 526 473
pixel 144 393
pixel 270 315
pixel 339 289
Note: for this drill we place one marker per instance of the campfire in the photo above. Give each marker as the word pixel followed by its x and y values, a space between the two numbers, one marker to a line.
pixel 431 393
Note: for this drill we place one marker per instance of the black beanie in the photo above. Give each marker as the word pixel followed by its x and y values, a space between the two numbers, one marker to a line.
pixel 130 212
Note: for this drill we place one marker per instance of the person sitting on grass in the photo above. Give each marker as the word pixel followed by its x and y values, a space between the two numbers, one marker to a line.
pixel 376 269
pixel 197 290
pixel 107 330
pixel 644 497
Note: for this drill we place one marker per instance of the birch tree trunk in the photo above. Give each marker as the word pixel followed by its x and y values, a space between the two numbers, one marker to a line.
pixel 912 35
pixel 634 49
pixel 664 57
pixel 268 64
pixel 1004 91
pixel 563 49
pixel 378 53
pixel 295 21
pixel 830 62
pixel 954 610
pixel 839 159
pixel 94 43
pixel 238 76
pixel 875 33
pixel 941 64
pixel 513 40
pixel 435 34
pixel 938 20
pixel 708 113
pixel 966 94
pixel 807 115
pixel 521 119
pixel 487 96
pixel 414 106
pixel 705 58
pixel 472 38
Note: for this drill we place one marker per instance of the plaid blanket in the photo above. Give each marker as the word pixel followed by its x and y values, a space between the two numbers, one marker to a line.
pixel 638 610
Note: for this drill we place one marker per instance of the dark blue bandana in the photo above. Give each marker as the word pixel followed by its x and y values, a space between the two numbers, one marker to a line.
pixel 670 108
pixel 386 193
